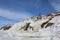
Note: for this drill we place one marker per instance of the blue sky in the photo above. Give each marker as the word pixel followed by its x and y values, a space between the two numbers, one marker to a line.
pixel 12 11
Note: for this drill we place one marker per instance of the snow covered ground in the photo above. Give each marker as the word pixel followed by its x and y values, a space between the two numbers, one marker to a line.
pixel 47 34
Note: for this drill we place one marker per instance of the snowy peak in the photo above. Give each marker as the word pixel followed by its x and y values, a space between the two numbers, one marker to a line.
pixel 42 26
pixel 35 23
pixel 42 20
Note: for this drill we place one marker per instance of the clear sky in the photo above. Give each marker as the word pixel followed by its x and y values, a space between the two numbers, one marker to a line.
pixel 12 11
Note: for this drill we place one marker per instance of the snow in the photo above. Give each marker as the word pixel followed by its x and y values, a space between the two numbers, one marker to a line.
pixel 44 34
pixel 4 36
pixel 56 19
pixel 49 33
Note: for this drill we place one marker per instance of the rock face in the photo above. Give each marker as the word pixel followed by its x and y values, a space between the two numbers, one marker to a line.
pixel 6 27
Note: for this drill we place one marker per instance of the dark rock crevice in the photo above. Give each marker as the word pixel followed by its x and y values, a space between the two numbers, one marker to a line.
pixel 6 27
pixel 47 22
pixel 26 27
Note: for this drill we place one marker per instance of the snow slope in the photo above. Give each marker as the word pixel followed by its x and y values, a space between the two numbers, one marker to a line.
pixel 44 27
